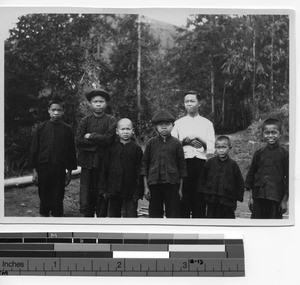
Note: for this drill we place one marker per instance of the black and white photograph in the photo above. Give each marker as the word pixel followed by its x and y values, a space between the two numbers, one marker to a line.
pixel 143 120
pixel 158 115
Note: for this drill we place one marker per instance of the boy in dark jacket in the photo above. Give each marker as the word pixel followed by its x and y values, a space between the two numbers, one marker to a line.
pixel 95 133
pixel 120 175
pixel 163 168
pixel 52 152
pixel 221 182
pixel 267 178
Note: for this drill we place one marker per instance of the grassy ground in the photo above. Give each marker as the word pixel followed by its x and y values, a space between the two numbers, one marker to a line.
pixel 24 202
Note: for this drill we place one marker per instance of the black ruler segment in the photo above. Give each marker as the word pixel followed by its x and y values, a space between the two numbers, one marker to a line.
pixel 161 241
pixel 133 241
pixel 84 240
pixel 139 247
pixel 107 240
pixel 24 246
pixel 59 240
pixel 35 240
pixel 99 254
pixel 119 254
pixel 27 253
pixel 11 240
pixel 234 241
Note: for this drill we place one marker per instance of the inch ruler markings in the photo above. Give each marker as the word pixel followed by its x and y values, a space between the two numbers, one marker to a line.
pixel 119 254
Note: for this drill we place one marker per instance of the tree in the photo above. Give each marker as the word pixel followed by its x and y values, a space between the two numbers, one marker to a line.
pixel 125 76
pixel 238 63
pixel 43 58
pixel 203 51
pixel 238 56
pixel 272 51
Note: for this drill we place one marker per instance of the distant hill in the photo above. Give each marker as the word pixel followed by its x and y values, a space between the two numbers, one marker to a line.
pixel 164 32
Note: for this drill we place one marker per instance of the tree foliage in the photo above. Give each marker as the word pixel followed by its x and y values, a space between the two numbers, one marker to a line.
pixel 66 55
pixel 238 63
pixel 43 58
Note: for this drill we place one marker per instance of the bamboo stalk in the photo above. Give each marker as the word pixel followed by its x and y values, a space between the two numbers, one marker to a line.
pixel 27 180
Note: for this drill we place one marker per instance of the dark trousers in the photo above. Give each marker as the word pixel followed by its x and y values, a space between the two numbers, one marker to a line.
pixel 265 209
pixel 164 195
pixel 51 188
pixel 121 207
pixel 89 201
pixel 192 203
pixel 219 211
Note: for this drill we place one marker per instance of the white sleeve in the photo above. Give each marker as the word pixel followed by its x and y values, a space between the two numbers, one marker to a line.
pixel 210 139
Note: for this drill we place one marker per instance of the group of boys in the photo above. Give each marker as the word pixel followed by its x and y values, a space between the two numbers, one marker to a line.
pixel 173 173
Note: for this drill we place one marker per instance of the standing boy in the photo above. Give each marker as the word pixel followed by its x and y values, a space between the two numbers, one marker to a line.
pixel 221 182
pixel 267 178
pixel 95 133
pixel 52 152
pixel 198 138
pixel 163 168
pixel 120 175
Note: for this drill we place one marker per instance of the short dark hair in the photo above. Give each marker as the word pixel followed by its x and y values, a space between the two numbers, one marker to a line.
pixel 191 92
pixel 58 101
pixel 271 121
pixel 224 138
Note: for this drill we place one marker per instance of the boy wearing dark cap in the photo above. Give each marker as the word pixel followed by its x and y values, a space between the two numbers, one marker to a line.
pixel 95 133
pixel 163 168
pixel 52 152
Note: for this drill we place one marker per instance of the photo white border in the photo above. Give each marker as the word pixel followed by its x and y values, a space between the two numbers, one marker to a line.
pixel 147 221
pixel 271 254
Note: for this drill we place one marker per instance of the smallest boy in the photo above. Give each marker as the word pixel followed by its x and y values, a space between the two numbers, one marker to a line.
pixel 163 168
pixel 221 182
pixel 52 152
pixel 267 178
pixel 120 175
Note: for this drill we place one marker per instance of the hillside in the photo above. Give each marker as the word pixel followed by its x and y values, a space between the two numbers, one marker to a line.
pixel 163 32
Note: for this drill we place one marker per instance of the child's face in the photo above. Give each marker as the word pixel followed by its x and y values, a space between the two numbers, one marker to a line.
pixel 125 130
pixel 191 103
pixel 56 112
pixel 271 134
pixel 164 128
pixel 98 104
pixel 222 149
